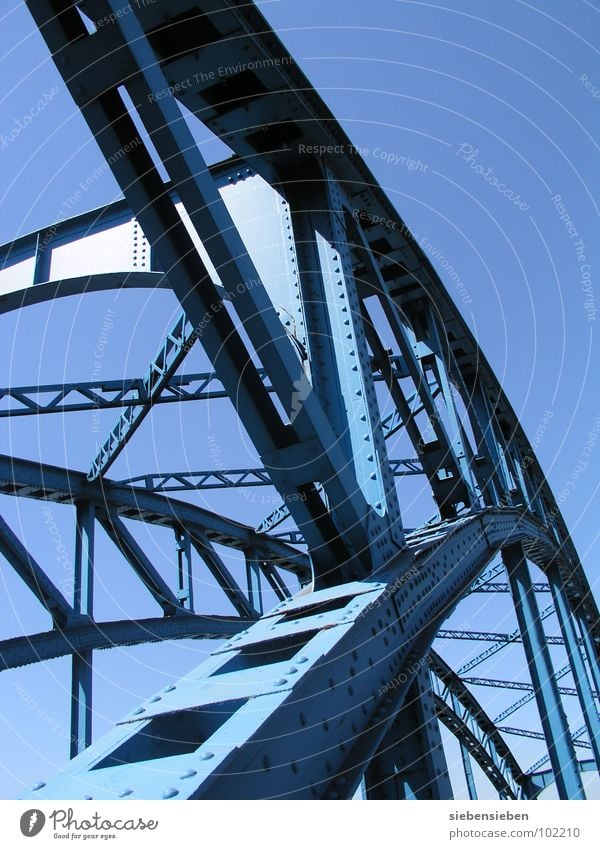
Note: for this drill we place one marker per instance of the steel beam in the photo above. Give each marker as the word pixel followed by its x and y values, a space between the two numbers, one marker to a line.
pixel 31 479
pixel 83 604
pixel 579 672
pixel 410 761
pixel 140 563
pixel 591 649
pixel 465 757
pixel 222 575
pixel 81 638
pixel 288 725
pixel 36 579
pixel 233 478
pixel 462 714
pixel 552 715
pixel 172 352
pixel 538 735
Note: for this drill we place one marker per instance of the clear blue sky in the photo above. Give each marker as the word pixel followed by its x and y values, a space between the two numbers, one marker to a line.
pixel 510 87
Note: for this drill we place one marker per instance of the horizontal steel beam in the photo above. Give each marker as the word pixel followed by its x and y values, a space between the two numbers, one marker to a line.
pixel 537 735
pixel 41 481
pixel 21 651
pixel 341 655
pixel 228 478
pixel 515 685
pixel 490 637
pixel 79 396
pixel 504 588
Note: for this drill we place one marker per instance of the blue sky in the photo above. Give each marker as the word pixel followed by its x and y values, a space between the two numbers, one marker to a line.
pixel 483 96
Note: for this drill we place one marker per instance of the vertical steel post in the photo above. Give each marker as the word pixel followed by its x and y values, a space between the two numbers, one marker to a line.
pixel 83 603
pixel 590 650
pixel 410 761
pixel 464 753
pixel 253 580
pixel 185 592
pixel 552 714
pixel 578 670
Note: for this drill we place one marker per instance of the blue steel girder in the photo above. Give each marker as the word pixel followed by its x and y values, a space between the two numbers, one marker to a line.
pixel 172 352
pixel 326 669
pixel 500 587
pixel 437 454
pixel 503 640
pixel 390 425
pixel 297 109
pixel 297 454
pixel 410 762
pixel 577 735
pixel 235 478
pixel 83 604
pixel 79 396
pixel 516 685
pixel 538 735
pixel 31 479
pixel 492 637
pixel 140 563
pixel 297 113
pixel 461 713
pixel 535 643
pixel 529 696
pixel 539 781
pixel 337 346
pixel 11 547
pixel 86 636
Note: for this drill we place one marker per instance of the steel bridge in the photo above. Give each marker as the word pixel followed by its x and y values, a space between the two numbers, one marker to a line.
pixel 350 369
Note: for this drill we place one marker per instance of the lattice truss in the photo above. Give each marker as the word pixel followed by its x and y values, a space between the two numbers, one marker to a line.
pixel 324 333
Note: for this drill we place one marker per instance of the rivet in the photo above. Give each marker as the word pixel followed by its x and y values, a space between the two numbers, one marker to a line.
pixel 291 670
pixel 168 794
pixel 188 773
pixel 39 785
pixel 155 699
pixel 280 682
pixel 137 711
pixel 124 793
pixel 206 756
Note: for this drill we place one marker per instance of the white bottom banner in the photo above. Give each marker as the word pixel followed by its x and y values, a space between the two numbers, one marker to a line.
pixel 277 823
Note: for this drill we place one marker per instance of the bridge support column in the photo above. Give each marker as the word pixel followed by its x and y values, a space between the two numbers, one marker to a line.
pixel 410 762
pixel 552 714
pixel 580 676
pixel 466 759
pixel 254 581
pixel 590 650
pixel 83 602
pixel 183 546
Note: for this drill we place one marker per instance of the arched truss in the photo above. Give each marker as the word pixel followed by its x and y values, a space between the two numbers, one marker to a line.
pixel 336 670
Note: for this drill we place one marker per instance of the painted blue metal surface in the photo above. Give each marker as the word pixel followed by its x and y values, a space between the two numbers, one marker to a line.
pixel 576 663
pixel 276 288
pixel 83 605
pixel 552 715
